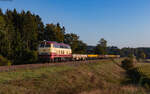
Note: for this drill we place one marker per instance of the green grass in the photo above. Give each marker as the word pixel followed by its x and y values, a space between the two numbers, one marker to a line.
pixel 104 77
pixel 143 72
pixel 29 73
pixel 144 68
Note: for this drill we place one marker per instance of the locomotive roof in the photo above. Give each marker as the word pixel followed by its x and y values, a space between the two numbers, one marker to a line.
pixel 53 42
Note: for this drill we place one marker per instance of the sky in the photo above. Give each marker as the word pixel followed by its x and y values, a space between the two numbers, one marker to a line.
pixel 123 23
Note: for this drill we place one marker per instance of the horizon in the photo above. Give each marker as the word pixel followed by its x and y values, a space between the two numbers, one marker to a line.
pixel 122 23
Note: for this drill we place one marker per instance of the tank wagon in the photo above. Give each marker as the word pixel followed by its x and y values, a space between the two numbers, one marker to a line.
pixel 53 51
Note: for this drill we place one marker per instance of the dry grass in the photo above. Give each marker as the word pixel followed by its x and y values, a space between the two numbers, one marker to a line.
pixel 117 90
pixel 144 68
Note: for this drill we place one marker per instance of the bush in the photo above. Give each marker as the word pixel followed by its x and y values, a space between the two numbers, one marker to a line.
pixel 29 57
pixel 33 56
pixel 128 63
pixel 4 61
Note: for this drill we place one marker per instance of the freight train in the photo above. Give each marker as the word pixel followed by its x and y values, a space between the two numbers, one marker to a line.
pixel 52 51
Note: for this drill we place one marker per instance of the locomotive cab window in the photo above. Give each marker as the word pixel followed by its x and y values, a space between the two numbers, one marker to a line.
pixel 42 45
pixel 47 45
pixel 56 46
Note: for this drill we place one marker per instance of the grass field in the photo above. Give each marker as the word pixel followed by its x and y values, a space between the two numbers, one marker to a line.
pixel 103 77
pixel 144 71
pixel 144 68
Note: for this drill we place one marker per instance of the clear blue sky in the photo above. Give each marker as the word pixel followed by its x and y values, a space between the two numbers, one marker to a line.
pixel 124 23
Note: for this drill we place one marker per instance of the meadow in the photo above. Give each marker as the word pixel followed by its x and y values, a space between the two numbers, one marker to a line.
pixel 103 77
pixel 143 70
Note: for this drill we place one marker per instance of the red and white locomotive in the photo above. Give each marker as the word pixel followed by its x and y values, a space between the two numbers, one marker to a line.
pixel 53 51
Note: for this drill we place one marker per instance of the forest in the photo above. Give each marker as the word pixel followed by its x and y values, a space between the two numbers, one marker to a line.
pixel 21 33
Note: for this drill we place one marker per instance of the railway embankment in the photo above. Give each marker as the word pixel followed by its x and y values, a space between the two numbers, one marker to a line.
pixel 100 77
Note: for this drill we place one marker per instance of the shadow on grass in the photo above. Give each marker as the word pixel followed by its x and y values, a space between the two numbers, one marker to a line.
pixel 136 78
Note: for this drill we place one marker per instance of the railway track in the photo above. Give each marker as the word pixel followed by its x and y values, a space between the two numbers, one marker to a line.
pixel 40 65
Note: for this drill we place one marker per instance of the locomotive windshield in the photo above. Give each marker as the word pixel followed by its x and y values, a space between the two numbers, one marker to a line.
pixel 42 45
pixel 47 45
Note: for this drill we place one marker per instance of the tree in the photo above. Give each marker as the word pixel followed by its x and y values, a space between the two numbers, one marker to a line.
pixel 103 42
pixel 127 52
pixel 81 48
pixel 54 33
pixel 77 45
pixel 128 63
pixel 72 40
pixel 101 47
pixel 11 35
pixel 3 37
pixel 29 31
pixel 40 28
pixel 113 50
pixel 4 61
pixel 21 31
pixel 141 55
pixel 1 13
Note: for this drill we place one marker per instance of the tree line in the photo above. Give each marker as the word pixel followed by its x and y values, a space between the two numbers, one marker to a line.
pixel 103 49
pixel 21 32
